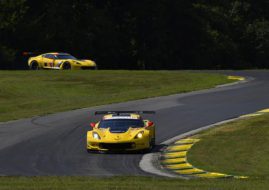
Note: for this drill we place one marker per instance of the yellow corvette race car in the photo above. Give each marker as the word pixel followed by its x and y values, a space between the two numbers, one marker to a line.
pixel 58 61
pixel 121 131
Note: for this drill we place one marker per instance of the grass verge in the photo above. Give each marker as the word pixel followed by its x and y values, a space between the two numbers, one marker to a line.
pixel 237 148
pixel 27 93
pixel 126 183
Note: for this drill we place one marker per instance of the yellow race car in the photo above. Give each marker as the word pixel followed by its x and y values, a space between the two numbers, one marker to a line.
pixel 121 131
pixel 63 61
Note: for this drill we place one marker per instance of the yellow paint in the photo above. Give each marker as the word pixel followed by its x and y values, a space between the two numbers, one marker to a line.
pixel 174 160
pixel 182 141
pixel 264 111
pixel 250 115
pixel 211 175
pixel 241 177
pixel 236 78
pixel 55 62
pixel 179 147
pixel 175 154
pixel 189 171
pixel 130 136
pixel 179 166
pixel 179 154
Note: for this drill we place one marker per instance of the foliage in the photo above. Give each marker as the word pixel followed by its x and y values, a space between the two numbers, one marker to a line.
pixel 148 34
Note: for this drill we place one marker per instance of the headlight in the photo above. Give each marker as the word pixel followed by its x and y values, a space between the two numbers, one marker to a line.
pixel 139 135
pixel 96 136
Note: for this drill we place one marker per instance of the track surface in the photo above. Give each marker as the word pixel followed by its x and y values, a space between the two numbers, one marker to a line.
pixel 55 144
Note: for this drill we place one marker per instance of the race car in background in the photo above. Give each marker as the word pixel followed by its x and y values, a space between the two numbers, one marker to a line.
pixel 63 61
pixel 121 131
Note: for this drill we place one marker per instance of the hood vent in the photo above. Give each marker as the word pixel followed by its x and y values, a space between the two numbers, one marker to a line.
pixel 118 130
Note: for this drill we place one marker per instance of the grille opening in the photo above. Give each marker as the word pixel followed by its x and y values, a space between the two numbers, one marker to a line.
pixel 116 146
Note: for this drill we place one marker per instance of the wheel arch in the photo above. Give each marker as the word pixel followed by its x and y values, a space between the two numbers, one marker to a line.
pixel 67 62
pixel 34 62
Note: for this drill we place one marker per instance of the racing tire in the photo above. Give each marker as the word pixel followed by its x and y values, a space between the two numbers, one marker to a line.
pixel 34 65
pixel 66 66
pixel 151 146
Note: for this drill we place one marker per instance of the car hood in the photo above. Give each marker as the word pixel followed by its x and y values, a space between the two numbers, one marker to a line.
pixel 85 61
pixel 82 62
pixel 106 134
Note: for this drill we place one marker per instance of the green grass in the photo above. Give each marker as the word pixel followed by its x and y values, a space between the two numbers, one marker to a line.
pixel 238 148
pixel 126 183
pixel 27 93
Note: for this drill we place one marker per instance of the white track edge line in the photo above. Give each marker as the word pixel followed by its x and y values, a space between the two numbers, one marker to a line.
pixel 150 162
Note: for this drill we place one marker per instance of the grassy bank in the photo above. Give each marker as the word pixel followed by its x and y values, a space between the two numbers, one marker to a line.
pixel 239 148
pixel 27 93
pixel 126 183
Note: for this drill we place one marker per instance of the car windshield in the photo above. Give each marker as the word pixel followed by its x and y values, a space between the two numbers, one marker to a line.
pixel 64 56
pixel 121 125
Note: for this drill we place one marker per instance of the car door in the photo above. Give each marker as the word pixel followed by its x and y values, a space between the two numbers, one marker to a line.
pixel 48 60
pixel 58 62
pixel 43 60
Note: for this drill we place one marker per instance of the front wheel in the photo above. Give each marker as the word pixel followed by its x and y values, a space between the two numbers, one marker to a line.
pixel 34 65
pixel 66 66
pixel 152 143
pixel 151 146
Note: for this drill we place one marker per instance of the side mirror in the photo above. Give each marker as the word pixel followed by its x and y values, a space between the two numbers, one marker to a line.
pixel 149 124
pixel 92 125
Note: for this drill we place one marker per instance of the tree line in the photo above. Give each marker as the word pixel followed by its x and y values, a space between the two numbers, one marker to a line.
pixel 139 34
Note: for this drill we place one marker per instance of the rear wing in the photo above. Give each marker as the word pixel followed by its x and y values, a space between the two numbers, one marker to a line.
pixel 25 53
pixel 123 112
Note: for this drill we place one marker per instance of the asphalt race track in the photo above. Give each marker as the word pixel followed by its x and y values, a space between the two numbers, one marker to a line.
pixel 55 144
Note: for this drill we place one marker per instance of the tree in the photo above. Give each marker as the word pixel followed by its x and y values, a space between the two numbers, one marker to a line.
pixel 11 12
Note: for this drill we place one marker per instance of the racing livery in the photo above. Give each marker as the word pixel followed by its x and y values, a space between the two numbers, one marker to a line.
pixel 63 61
pixel 121 131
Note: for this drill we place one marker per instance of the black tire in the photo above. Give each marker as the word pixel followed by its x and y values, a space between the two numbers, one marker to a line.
pixel 34 65
pixel 66 66
pixel 151 146
pixel 152 143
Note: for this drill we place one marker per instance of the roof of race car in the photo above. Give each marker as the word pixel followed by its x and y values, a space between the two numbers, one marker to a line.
pixel 129 116
pixel 58 53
